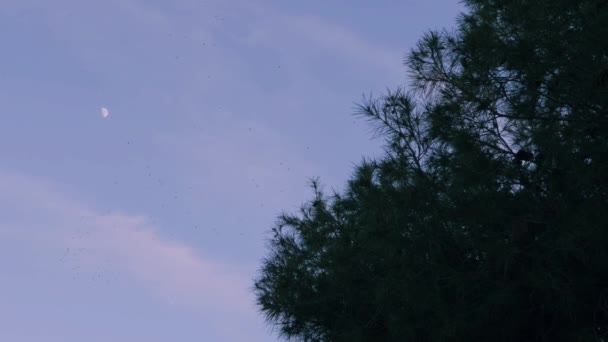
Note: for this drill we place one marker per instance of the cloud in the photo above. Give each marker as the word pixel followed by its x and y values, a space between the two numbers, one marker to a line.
pixel 306 33
pixel 340 39
pixel 127 243
pixel 264 24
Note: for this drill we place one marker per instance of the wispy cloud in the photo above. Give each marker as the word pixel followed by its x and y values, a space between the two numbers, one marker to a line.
pixel 340 40
pixel 127 243
pixel 302 34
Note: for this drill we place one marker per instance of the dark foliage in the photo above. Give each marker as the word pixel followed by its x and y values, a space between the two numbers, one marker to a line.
pixel 487 218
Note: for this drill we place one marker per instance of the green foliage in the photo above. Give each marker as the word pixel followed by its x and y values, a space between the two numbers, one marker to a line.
pixel 487 218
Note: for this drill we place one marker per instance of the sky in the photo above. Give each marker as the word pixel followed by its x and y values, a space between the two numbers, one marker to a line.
pixel 151 223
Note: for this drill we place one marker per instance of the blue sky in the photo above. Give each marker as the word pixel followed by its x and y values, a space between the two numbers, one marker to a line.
pixel 150 224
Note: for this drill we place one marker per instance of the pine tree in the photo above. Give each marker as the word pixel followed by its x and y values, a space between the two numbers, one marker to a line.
pixel 487 217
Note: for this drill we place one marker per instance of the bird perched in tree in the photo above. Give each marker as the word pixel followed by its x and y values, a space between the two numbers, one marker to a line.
pixel 522 155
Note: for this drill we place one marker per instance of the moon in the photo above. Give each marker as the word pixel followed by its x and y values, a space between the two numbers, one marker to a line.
pixel 104 112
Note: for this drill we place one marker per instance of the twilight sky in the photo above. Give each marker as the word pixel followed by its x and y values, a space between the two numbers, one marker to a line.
pixel 150 224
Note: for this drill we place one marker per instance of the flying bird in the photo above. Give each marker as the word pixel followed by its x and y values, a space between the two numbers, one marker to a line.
pixel 104 112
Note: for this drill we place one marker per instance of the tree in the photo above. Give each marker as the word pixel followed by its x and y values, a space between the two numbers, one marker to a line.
pixel 487 217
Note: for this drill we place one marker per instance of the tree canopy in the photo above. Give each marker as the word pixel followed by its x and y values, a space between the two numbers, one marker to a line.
pixel 487 216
